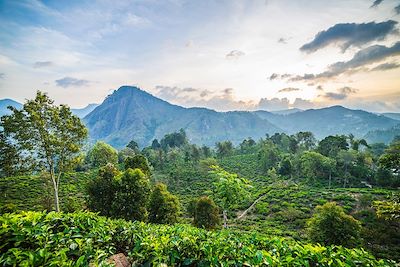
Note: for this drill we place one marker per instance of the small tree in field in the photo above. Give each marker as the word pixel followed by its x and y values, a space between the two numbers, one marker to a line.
pixel 205 213
pixel 47 134
pixel 164 206
pixel 330 225
pixel 229 190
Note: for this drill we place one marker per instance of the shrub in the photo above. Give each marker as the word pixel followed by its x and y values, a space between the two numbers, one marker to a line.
pixel 164 207
pixel 206 213
pixel 331 226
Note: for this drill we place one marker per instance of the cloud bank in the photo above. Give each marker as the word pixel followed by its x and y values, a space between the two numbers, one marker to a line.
pixel 71 82
pixel 350 34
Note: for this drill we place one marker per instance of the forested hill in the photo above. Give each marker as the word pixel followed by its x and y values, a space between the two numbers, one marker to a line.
pixel 133 113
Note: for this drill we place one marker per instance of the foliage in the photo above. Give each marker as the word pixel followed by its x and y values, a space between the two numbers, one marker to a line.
pixel 101 154
pixel 83 239
pixel 138 162
pixel 205 213
pixel 315 166
pixel 224 148
pixel 391 158
pixel 331 226
pixel 132 191
pixel 48 135
pixel 331 145
pixel 164 207
pixel 101 190
pixel 229 190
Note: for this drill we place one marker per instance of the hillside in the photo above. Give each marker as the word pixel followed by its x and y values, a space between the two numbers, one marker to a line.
pixel 130 113
pixel 383 136
pixel 329 121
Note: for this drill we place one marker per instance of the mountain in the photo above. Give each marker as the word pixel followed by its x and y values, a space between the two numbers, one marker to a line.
pixel 395 116
pixel 383 136
pixel 4 103
pixel 82 112
pixel 329 121
pixel 130 113
pixel 287 111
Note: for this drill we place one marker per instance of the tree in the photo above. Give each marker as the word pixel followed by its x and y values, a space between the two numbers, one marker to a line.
pixel 330 225
pixel 224 148
pixel 229 190
pixel 133 145
pixel 101 154
pixel 101 190
pixel 268 156
pixel 285 166
pixel 176 139
pixel 124 153
pixel 391 158
pixel 205 213
pixel 331 145
pixel 132 191
pixel 347 159
pixel 49 135
pixel 314 166
pixel 306 140
pixel 164 206
pixel 138 162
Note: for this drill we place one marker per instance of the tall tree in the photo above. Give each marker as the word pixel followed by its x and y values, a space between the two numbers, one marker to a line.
pixel 224 148
pixel 229 190
pixel 50 135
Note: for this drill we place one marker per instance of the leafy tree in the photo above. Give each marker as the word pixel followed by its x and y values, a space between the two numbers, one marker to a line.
pixel 247 145
pixel 124 153
pixel 206 151
pixel 314 166
pixel 49 135
pixel 101 154
pixel 331 145
pixel 268 156
pixel 285 166
pixel 164 206
pixel 330 225
pixel 132 191
pixel 134 146
pixel 306 140
pixel 101 190
pixel 205 213
pixel 391 158
pixel 347 159
pixel 229 190
pixel 176 139
pixel 224 148
pixel 138 162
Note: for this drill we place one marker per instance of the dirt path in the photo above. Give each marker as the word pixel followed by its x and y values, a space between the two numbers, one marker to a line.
pixel 251 206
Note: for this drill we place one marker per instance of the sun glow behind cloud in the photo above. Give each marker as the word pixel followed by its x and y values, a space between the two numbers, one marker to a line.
pixel 208 45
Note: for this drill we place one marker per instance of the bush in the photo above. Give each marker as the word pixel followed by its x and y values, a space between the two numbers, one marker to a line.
pixel 206 213
pixel 331 226
pixel 164 207
pixel 85 239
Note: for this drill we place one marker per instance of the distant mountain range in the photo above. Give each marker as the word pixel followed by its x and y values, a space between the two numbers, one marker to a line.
pixel 131 113
pixel 80 112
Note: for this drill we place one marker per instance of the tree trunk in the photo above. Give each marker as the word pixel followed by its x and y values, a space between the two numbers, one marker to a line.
pixel 330 179
pixel 55 187
pixel 225 219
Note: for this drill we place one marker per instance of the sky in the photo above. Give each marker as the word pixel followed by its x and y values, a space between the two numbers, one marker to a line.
pixel 221 54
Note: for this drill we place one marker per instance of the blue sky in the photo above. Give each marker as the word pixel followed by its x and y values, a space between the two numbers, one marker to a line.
pixel 225 55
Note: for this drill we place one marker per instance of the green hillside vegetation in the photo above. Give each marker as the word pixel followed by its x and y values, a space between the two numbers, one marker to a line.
pixel 77 239
pixel 267 201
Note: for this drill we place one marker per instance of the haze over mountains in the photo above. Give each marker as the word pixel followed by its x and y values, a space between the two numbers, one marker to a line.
pixel 131 113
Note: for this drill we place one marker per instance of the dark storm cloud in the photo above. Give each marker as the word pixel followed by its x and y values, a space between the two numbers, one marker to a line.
pixel 350 34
